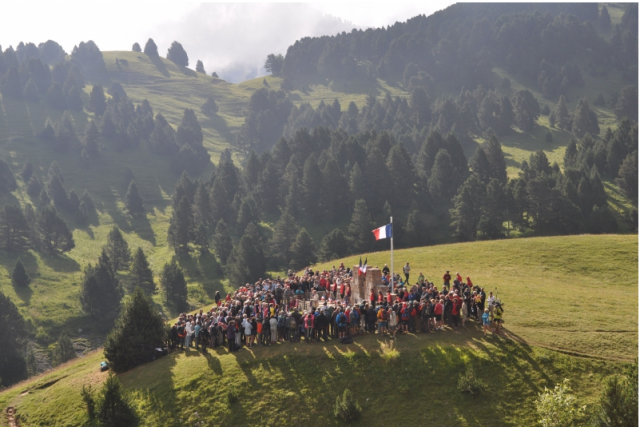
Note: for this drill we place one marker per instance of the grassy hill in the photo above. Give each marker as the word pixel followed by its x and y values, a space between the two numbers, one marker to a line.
pixel 571 312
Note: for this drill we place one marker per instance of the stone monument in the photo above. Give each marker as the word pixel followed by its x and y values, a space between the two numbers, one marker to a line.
pixel 362 285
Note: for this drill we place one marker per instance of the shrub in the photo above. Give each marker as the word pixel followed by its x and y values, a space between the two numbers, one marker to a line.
pixel 470 383
pixel 346 407
pixel 557 407
pixel 232 396
pixel 87 398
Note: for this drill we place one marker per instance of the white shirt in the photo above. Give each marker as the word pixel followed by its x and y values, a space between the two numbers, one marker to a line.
pixel 492 300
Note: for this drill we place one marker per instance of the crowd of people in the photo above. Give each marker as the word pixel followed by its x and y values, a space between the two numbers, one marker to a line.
pixel 318 306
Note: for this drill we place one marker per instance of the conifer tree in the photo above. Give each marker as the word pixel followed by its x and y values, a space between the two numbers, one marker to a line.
pixel 27 171
pixel 34 186
pixel 201 206
pixel 97 100
pixel 90 139
pixel 181 227
pixel 57 193
pixel 379 183
pixel 11 83
pixel 140 274
pixel 63 351
pixel 150 49
pixel 117 250
pixel 53 233
pixel 14 229
pixel 357 183
pixel 220 206
pixel 526 108
pixel 74 99
pixel 55 97
pixel 177 54
pixel 19 277
pixel 627 104
pixel 312 186
pixel 480 165
pixel 441 182
pixel 247 262
pixel 561 114
pixel 247 213
pixel 359 230
pixel 31 91
pixel 136 47
pixel 334 245
pixel 209 108
pixel 73 201
pixel 495 156
pixel 82 214
pixel 467 209
pixel 132 200
pixel 303 251
pixel 284 234
pixel 114 408
pixel 627 179
pixel 222 243
pixel 174 284
pixel 101 292
pixel 268 187
pixel 334 202
pixel 415 229
pixel 138 331
pixel 584 120
pixel 200 67
pixel 402 174
pixel 189 130
pixel 604 20
pixel 12 329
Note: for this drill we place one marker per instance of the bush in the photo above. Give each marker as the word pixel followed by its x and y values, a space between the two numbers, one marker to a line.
pixel 557 407
pixel 346 408
pixel 232 397
pixel 470 383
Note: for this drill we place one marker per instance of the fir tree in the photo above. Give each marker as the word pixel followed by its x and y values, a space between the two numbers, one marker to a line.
pixel 114 408
pixel 495 156
pixel 73 201
pixel 526 108
pixel 627 179
pixel 100 292
pixel 63 351
pixel 334 202
pixel 467 209
pixel 55 97
pixel 284 234
pixel 201 206
pixel 181 227
pixel 312 186
pixel 90 139
pixel 82 214
pixel 117 250
pixel 415 229
pixel 174 284
pixel 441 182
pixel 74 99
pixel 150 49
pixel 402 174
pixel 334 245
pixel 53 233
pixel 97 100
pixel 140 274
pixel 189 130
pixel 136 47
pixel 19 277
pixel 303 251
pixel 132 200
pixel 14 229
pixel 627 104
pixel 222 243
pixel 31 91
pixel 177 54
pixel 247 262
pixel 57 193
pixel 12 330
pixel 561 114
pixel 200 67
pixel 359 231
pixel 480 165
pixel 584 120
pixel 209 108
pixel 357 183
pixel 11 83
pixel 604 20
pixel 247 213
pixel 220 206
pixel 570 154
pixel 201 239
pixel 27 171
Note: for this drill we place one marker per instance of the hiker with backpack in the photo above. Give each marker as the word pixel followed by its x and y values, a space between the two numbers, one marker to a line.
pixel 341 321
pixel 405 317
pixel 383 319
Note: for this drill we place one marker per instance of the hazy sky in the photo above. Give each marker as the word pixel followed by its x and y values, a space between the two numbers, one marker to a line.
pixel 230 38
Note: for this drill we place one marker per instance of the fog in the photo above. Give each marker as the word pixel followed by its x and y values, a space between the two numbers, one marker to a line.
pixel 232 39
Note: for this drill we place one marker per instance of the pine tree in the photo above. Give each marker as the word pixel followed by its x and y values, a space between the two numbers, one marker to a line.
pixel 247 213
pixel 303 251
pixel 101 292
pixel 114 408
pixel 82 214
pixel 467 209
pixel 495 156
pixel 117 250
pixel 222 243
pixel 53 233
pixel 10 84
pixel 284 234
pixel 584 120
pixel 150 49
pixel 14 229
pixel 201 206
pixel 526 108
pixel 480 165
pixel 140 274
pixel 334 202
pixel 209 108
pixel 312 186
pixel 334 245
pixel 627 179
pixel 201 239
pixel 181 227
pixel 12 330
pixel 220 206
pixel 74 99
pixel 19 277
pixel 357 183
pixel 570 154
pixel 174 284
pixel 132 200
pixel 136 47
pixel 177 54
pixel 57 193
pixel 402 174
pixel 200 67
pixel 31 91
pixel 359 231
pixel 415 229
pixel 561 114
pixel 63 351
pixel 604 20
pixel 189 130
pixel 441 182
pixel 627 104
pixel 73 201
pixel 97 100
pixel 247 262
pixel 55 97
pixel 90 139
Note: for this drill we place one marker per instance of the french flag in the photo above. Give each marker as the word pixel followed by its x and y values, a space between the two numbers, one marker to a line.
pixel 384 232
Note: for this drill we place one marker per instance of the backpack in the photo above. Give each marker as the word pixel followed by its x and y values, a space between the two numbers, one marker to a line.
pixel 346 340
pixel 405 314
pixel 281 320
pixel 341 319
pixel 292 323
pixel 309 322
pixel 356 314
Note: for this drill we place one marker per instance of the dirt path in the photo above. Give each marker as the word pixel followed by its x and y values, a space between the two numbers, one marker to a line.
pixel 11 417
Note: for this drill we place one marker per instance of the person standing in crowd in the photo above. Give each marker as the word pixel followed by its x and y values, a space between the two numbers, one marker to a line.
pixel 446 279
pixel 406 270
pixel 246 324
pixel 486 322
pixel 273 323
pixel 189 331
pixel 491 301
pixel 393 322
pixel 498 311
pixel 231 335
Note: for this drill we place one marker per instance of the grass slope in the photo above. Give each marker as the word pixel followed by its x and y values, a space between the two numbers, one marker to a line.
pixel 594 312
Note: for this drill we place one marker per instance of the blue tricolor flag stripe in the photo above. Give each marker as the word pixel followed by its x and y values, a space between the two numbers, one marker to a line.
pixel 383 232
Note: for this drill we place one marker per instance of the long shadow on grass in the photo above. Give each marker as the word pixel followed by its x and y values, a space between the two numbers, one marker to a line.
pixel 60 263
pixel 157 61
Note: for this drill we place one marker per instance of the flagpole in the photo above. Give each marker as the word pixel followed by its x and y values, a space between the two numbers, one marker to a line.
pixel 391 282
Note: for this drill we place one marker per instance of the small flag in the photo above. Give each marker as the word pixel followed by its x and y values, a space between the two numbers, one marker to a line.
pixel 383 232
pixel 362 270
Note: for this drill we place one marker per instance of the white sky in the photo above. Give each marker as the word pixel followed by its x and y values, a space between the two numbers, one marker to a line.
pixel 230 38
